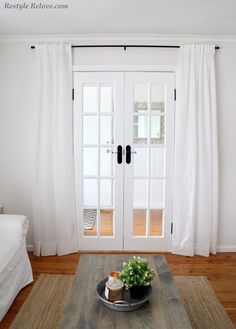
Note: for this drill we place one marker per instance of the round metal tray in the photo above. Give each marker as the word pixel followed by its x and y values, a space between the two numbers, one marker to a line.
pixel 127 304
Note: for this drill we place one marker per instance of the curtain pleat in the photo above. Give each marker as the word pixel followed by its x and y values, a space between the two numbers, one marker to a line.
pixel 54 221
pixel 195 206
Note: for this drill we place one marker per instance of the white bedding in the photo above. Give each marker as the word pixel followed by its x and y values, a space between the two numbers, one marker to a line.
pixel 15 268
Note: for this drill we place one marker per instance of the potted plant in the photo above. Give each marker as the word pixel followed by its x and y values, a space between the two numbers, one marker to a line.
pixel 137 276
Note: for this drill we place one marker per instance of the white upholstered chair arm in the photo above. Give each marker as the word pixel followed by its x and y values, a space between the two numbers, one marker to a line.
pixel 13 227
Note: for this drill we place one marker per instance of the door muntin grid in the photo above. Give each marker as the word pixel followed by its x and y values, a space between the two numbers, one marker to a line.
pixel 149 159
pixel 98 167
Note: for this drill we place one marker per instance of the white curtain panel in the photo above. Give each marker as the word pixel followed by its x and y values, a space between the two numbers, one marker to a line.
pixel 54 196
pixel 195 205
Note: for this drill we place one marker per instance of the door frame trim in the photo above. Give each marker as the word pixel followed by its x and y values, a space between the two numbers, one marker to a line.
pixel 125 68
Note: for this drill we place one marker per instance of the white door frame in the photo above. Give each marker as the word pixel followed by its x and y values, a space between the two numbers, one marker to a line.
pixel 127 68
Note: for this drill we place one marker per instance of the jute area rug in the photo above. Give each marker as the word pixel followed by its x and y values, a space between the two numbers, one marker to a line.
pixel 44 307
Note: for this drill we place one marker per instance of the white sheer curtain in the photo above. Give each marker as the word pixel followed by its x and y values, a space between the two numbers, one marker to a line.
pixel 196 159
pixel 54 197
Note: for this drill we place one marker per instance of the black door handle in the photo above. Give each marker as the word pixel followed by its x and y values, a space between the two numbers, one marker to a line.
pixel 128 154
pixel 119 154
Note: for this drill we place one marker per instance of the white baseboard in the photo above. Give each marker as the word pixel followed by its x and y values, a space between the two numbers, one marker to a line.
pixel 226 248
pixel 30 247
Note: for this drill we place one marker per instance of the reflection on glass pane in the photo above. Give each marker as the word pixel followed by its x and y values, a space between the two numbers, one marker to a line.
pixel 158 97
pixel 106 99
pixel 90 161
pixel 140 129
pixel 157 129
pixel 90 192
pixel 106 222
pixel 158 162
pixel 106 130
pixel 140 193
pixel 140 97
pixel 105 161
pixel 106 192
pixel 157 193
pixel 139 222
pixel 141 161
pixel 89 98
pixel 90 222
pixel 156 220
pixel 90 130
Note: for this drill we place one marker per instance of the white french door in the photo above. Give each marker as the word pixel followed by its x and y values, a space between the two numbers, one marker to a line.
pixel 123 143
pixel 98 130
pixel 149 131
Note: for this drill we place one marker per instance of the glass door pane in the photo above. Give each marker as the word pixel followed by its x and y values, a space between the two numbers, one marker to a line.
pixel 98 130
pixel 149 127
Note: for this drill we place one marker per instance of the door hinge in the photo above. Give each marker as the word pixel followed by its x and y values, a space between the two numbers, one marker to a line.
pixel 171 228
pixel 73 94
pixel 175 94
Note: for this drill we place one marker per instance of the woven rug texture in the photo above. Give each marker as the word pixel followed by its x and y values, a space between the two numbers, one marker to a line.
pixel 44 306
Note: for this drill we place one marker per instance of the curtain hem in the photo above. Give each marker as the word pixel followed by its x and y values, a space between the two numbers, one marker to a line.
pixel 54 248
pixel 198 250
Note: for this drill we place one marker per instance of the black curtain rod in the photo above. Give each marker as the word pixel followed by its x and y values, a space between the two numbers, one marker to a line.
pixel 123 46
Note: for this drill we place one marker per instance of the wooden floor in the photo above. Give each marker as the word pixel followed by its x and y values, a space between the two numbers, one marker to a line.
pixel 139 223
pixel 220 270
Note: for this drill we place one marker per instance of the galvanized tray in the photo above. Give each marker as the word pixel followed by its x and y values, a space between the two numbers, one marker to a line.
pixel 127 304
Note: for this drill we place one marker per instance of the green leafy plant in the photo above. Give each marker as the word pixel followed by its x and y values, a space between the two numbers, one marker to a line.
pixel 136 272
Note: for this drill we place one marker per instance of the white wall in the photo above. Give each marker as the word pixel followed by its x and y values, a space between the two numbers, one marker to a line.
pixel 17 127
pixel 226 96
